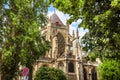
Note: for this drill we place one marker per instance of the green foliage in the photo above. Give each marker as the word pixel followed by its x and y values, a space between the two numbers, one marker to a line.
pixel 91 56
pixel 109 70
pixel 102 18
pixel 20 39
pixel 70 7
pixel 46 73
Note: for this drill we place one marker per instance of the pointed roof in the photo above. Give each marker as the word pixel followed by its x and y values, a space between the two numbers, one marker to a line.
pixel 54 19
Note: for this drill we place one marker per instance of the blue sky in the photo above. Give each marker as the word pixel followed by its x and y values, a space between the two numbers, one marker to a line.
pixel 64 17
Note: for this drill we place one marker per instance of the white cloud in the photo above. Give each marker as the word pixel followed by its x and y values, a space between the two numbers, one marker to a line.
pixel 77 22
pixel 80 30
pixel 73 26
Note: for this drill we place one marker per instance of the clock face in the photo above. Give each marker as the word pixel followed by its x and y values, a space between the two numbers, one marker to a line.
pixel 61 44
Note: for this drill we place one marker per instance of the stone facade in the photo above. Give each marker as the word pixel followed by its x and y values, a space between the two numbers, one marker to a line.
pixel 66 53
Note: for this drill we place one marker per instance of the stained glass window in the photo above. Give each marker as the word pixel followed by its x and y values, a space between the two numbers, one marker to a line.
pixel 61 44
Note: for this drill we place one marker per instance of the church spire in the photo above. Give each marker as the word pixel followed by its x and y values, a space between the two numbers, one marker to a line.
pixel 77 33
pixel 73 34
pixel 49 22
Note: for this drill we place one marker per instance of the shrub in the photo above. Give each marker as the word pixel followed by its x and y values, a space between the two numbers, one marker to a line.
pixel 109 70
pixel 47 73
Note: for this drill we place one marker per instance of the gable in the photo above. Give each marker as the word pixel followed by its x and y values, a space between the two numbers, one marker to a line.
pixel 55 20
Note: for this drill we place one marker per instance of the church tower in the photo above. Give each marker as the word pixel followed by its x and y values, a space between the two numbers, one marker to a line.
pixel 65 49
pixel 61 55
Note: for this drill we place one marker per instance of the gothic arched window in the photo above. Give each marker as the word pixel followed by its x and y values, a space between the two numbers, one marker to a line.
pixel 94 74
pixel 85 73
pixel 70 67
pixel 61 44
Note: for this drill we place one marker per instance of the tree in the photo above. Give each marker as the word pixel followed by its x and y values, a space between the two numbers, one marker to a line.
pixel 102 18
pixel 46 73
pixel 20 39
pixel 109 70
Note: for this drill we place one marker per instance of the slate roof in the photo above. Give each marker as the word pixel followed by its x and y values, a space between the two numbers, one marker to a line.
pixel 56 20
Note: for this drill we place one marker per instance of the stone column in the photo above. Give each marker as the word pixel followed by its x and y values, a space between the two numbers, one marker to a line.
pixel 81 73
pixel 54 47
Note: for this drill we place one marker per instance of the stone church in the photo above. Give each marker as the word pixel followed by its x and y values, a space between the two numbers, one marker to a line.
pixel 66 52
